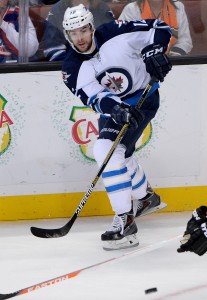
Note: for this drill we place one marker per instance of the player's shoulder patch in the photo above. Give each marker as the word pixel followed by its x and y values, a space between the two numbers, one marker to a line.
pixel 65 76
pixel 119 23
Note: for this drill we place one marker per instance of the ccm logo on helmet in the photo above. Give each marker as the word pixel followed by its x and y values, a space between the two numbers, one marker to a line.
pixel 153 52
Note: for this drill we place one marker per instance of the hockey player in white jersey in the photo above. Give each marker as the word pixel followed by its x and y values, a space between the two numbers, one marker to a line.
pixel 108 68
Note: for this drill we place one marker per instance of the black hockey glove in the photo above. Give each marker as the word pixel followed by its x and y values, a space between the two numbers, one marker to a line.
pixel 156 61
pixel 123 113
pixel 195 236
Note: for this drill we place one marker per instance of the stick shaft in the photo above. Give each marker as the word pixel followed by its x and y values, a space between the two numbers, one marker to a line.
pixel 53 281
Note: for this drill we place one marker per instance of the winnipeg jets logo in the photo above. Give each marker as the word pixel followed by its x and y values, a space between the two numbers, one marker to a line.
pixel 114 83
pixel 65 76
pixel 116 79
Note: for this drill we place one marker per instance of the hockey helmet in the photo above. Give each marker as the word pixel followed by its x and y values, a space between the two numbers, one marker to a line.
pixel 76 17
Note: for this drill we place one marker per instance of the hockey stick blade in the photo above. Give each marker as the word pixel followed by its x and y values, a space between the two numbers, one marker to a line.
pixel 50 233
pixel 60 232
pixel 8 296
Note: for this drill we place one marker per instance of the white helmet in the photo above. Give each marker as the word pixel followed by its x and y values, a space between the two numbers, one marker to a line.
pixel 76 17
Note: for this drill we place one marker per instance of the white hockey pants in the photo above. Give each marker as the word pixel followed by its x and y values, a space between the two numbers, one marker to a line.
pixel 124 179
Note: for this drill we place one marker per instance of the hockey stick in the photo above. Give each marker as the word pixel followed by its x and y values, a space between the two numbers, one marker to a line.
pixel 59 232
pixel 53 281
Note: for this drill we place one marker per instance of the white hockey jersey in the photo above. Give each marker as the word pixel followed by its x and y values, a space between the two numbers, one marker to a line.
pixel 115 71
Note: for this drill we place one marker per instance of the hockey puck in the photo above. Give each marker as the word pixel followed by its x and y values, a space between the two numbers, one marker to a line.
pixel 152 290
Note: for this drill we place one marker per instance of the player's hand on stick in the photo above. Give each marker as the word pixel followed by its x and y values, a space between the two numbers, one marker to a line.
pixel 195 236
pixel 156 61
pixel 125 114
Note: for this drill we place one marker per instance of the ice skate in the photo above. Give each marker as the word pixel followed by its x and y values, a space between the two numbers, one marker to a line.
pixel 122 233
pixel 147 205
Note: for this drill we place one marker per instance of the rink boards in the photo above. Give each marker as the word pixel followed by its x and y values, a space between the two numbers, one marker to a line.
pixel 47 136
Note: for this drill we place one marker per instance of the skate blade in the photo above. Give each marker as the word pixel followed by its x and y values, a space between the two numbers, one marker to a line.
pixel 126 242
pixel 153 209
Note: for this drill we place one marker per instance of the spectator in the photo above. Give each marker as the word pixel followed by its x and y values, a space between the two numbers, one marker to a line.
pixel 9 32
pixel 54 42
pixel 170 11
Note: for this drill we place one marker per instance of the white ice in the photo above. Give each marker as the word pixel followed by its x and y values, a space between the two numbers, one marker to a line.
pixel 26 261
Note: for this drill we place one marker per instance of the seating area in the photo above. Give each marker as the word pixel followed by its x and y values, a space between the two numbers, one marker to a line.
pixel 38 14
pixel 196 11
